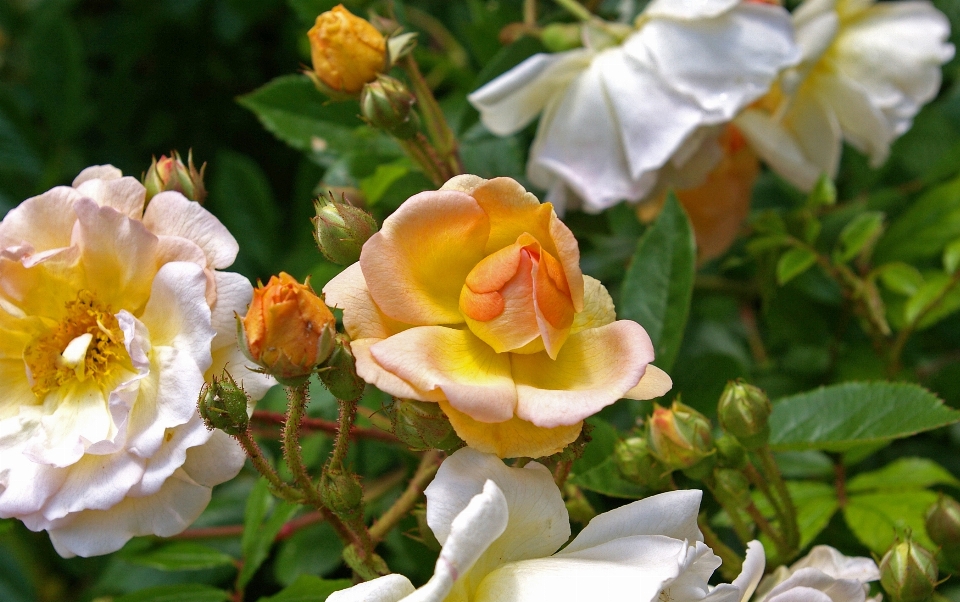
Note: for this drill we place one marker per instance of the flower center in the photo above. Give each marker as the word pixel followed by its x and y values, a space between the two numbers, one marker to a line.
pixel 84 345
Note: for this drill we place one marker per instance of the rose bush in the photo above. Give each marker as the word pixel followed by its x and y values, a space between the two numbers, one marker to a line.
pixel 111 317
pixel 472 297
pixel 501 528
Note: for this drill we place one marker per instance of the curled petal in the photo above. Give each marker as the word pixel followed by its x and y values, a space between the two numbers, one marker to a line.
pixel 362 318
pixel 389 588
pixel 512 438
pixel 654 383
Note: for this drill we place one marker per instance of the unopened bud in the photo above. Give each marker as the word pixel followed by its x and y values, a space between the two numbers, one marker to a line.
pixel 943 527
pixel 223 405
pixel 341 493
pixel 347 52
pixel 558 37
pixel 339 374
pixel 169 173
pixel 422 425
pixel 387 104
pixel 638 465
pixel 340 230
pixel 908 572
pixel 744 411
pixel 731 487
pixel 730 454
pixel 287 330
pixel 680 437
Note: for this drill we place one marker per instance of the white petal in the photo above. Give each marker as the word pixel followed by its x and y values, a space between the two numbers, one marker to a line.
pixel 44 221
pixel 171 455
pixel 512 100
pixel 832 562
pixel 234 293
pixel 216 461
pixel 777 146
pixel 688 9
pixel 97 172
pixel 172 214
pixel 124 194
pixel 838 590
pixel 672 514
pixel 389 588
pixel 94 483
pixel 539 523
pixel 862 123
pixel 752 571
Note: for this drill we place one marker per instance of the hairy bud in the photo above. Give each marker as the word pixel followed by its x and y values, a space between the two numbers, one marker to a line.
pixel 638 465
pixel 341 492
pixel 340 230
pixel 422 425
pixel 223 405
pixel 339 374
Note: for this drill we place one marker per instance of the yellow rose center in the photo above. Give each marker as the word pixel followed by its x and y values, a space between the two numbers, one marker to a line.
pixel 86 344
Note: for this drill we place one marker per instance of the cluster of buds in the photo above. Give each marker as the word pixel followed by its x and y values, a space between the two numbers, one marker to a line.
pixel 347 51
pixel 943 527
pixel 908 572
pixel 422 425
pixel 169 173
pixel 223 405
pixel 288 330
pixel 638 465
pixel 681 438
pixel 340 229
pixel 744 411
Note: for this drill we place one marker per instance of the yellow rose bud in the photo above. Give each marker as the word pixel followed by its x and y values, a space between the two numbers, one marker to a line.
pixel 347 51
pixel 288 330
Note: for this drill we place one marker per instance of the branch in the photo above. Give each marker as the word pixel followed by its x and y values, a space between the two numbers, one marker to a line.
pixel 326 426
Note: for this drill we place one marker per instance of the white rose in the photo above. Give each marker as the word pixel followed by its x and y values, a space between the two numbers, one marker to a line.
pixel 501 528
pixel 823 575
pixel 111 317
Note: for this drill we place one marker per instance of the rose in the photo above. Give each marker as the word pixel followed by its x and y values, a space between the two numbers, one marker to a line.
pixel 111 318
pixel 822 575
pixel 472 297
pixel 501 528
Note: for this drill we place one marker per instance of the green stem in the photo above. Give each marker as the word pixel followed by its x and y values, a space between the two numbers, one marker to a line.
pixel 761 521
pixel 732 563
pixel 791 530
pixel 740 526
pixel 896 351
pixel 439 132
pixel 576 9
pixel 429 464
pixel 266 469
pixel 419 150
pixel 341 444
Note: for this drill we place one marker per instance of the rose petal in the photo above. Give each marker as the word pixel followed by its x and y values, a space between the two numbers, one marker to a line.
pixel 172 214
pixel 655 383
pixel 362 319
pixel 513 438
pixel 389 588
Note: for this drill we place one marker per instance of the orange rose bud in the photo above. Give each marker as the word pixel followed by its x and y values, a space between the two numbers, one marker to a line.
pixel 348 52
pixel 288 330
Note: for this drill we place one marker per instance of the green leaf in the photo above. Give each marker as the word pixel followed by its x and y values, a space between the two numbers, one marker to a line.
pixel 385 175
pixel 901 278
pixel 824 193
pixel 951 257
pixel 258 534
pixel 859 232
pixel 839 417
pixel 176 593
pixel 308 588
pixel 294 111
pixel 923 230
pixel 605 478
pixel 878 518
pixel 935 300
pixel 314 550
pixel 658 285
pixel 816 504
pixel 905 473
pixel 181 556
pixel 793 263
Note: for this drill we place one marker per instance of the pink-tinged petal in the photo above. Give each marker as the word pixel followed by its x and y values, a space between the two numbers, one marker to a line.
pixel 362 319
pixel 44 222
pixel 474 378
pixel 655 383
pixel 538 524
pixel 512 438
pixel 118 255
pixel 593 369
pixel 672 514
pixel 97 172
pixel 168 512
pixel 511 101
pixel 126 194
pixel 172 214
pixel 372 372
pixel 389 588
pixel 415 266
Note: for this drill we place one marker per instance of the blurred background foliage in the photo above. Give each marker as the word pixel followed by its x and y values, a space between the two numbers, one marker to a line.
pixel 86 82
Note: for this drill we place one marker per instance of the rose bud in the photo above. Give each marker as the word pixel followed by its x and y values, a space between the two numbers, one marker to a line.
pixel 679 437
pixel 169 173
pixel 347 52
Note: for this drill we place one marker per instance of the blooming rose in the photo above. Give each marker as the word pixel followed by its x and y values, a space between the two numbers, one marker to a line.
pixel 614 116
pixel 501 528
pixel 472 297
pixel 111 316
pixel 823 575
pixel 867 69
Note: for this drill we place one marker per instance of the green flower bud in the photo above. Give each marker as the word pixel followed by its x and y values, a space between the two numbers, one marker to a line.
pixel 638 465
pixel 169 173
pixel 943 527
pixel 731 487
pixel 341 493
pixel 558 37
pixel 680 437
pixel 730 454
pixel 908 572
pixel 340 230
pixel 387 104
pixel 743 412
pixel 422 425
pixel 223 405
pixel 339 373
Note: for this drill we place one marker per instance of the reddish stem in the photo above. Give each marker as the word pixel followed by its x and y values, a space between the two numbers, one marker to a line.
pixel 327 426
